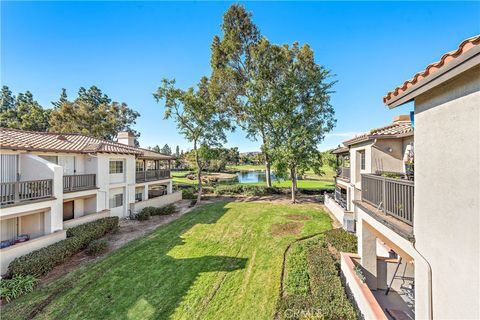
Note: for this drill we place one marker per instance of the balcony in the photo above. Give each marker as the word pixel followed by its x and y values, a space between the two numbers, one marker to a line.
pixel 79 182
pixel 12 193
pixel 152 175
pixel 394 197
pixel 343 173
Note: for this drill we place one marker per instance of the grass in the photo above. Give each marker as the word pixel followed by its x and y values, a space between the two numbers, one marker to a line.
pixel 220 261
pixel 247 167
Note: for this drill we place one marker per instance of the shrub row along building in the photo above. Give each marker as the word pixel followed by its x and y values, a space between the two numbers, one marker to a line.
pixel 51 182
pixel 416 211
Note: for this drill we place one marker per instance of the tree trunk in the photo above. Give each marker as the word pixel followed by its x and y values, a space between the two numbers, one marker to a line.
pixel 199 174
pixel 268 175
pixel 293 176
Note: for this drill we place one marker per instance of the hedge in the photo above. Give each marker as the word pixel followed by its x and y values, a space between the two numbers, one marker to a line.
pixel 342 240
pixel 313 287
pixel 147 212
pixel 247 190
pixel 39 262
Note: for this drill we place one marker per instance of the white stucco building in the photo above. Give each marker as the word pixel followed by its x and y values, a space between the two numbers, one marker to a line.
pixel 51 181
pixel 431 267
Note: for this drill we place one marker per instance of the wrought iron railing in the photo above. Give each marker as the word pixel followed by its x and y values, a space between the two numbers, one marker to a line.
pixel 20 191
pixel 393 196
pixel 76 182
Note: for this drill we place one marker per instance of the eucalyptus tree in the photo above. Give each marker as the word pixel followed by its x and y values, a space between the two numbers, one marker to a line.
pixel 242 64
pixel 198 118
pixel 303 114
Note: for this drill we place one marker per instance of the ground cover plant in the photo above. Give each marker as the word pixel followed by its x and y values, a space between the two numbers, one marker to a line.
pixel 41 261
pixel 219 261
pixel 312 284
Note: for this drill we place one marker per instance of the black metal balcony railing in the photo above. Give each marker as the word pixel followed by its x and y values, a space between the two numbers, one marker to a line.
pixel 76 182
pixel 21 191
pixel 393 196
pixel 151 175
pixel 343 173
pixel 341 198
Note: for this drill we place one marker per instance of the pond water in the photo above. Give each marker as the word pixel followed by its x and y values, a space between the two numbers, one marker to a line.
pixel 254 176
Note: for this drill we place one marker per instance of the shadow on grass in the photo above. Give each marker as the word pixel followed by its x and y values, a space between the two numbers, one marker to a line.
pixel 138 281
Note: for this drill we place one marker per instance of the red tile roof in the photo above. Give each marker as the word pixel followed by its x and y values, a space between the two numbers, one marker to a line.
pixel 465 46
pixel 13 139
pixel 396 129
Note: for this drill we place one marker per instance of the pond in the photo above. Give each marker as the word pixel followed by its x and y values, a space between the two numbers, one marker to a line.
pixel 254 176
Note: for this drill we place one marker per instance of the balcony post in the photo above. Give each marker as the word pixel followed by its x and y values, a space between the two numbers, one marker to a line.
pixel 384 195
pixel 16 197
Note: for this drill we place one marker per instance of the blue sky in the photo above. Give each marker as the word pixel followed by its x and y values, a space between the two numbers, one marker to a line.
pixel 126 48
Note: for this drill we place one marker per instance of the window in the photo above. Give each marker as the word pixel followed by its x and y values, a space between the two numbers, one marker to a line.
pixel 116 166
pixel 139 166
pixel 139 194
pixel 116 200
pixel 52 159
pixel 362 160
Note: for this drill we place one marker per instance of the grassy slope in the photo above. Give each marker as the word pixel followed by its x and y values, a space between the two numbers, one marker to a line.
pixel 218 262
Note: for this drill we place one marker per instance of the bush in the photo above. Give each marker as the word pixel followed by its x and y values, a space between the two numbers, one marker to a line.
pixel 188 193
pixel 97 246
pixel 144 214
pixel 247 190
pixel 13 288
pixel 148 212
pixel 41 261
pixel 166 210
pixel 312 285
pixel 342 240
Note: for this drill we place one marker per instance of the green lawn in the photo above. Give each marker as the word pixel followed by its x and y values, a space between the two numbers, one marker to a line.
pixel 220 261
pixel 247 167
pixel 302 184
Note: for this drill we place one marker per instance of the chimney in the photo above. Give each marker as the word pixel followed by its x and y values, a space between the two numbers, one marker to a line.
pixel 401 118
pixel 126 137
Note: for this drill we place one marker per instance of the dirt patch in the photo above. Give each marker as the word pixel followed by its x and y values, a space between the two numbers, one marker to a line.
pixel 283 229
pixel 300 217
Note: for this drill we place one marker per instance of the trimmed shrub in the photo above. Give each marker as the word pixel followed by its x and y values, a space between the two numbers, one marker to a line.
pixel 13 288
pixel 165 210
pixel 247 190
pixel 342 240
pixel 312 285
pixel 144 214
pixel 97 246
pixel 41 261
pixel 188 193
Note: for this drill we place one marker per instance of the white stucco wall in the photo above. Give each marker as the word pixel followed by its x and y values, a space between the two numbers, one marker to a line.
pixel 447 192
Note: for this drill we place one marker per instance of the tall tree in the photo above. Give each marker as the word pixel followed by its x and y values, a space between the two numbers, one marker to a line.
pixel 22 112
pixel 303 114
pixel 198 119
pixel 166 150
pixel 241 61
pixel 177 151
pixel 92 113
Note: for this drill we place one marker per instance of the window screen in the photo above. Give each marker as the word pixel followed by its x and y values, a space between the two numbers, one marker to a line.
pixel 116 200
pixel 116 166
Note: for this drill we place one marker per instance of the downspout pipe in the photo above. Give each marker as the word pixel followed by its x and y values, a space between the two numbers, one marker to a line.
pixel 429 282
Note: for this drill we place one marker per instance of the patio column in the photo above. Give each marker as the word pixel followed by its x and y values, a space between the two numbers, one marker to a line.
pixel 145 192
pixel 367 249
pixel 170 187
